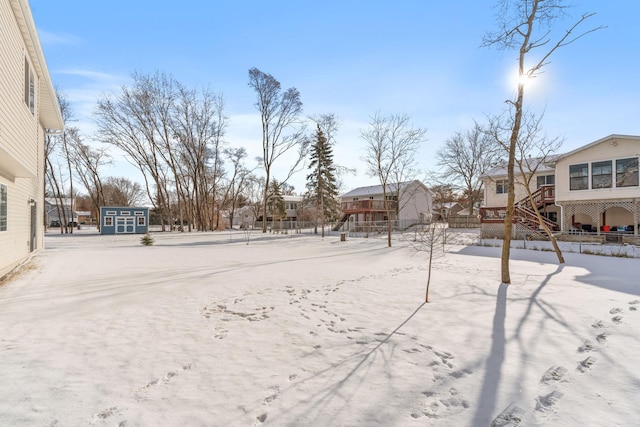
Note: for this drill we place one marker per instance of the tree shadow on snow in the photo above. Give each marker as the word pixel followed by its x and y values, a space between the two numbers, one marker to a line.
pixel 493 370
pixel 323 398
pixel 607 272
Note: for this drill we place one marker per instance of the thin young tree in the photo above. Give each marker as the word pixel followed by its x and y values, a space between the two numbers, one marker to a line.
pixel 322 188
pixel 431 239
pixel 282 129
pixel 390 153
pixel 527 26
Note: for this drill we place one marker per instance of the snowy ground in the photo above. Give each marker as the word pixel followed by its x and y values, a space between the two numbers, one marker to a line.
pixel 292 330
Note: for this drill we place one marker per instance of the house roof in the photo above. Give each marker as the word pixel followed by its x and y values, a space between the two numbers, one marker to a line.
pixel 374 190
pixel 450 205
pixel 49 110
pixel 609 138
pixel 547 166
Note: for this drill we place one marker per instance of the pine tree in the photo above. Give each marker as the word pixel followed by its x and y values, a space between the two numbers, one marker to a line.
pixel 276 204
pixel 322 187
pixel 147 240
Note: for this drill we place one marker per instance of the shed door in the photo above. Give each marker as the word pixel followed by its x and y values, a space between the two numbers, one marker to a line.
pixel 125 224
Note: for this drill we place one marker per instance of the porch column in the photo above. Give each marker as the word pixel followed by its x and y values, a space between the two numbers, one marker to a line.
pixel 636 217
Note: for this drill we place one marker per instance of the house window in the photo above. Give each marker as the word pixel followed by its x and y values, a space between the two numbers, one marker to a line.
pixel 502 186
pixel 579 177
pixel 627 172
pixel 3 207
pixel 110 213
pixel 601 176
pixel 108 221
pixel 125 213
pixel 545 180
pixel 138 213
pixel 141 221
pixel 29 87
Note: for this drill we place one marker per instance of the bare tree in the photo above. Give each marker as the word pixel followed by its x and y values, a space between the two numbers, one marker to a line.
pixel 390 155
pixel 120 191
pixel 254 191
pixel 532 152
pixel 128 121
pixel 199 125
pixel 238 179
pixel 443 194
pixel 87 162
pixel 279 113
pixel 465 158
pixel 526 25
pixel 432 239
pixel 58 170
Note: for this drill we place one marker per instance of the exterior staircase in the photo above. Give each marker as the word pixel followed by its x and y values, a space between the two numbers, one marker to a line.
pixel 340 223
pixel 525 215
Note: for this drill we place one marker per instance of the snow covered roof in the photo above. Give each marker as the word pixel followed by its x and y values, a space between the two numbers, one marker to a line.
pixel 546 166
pixel 374 190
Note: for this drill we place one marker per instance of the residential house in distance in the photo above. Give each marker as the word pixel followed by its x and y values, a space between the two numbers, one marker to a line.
pixel 56 213
pixel 29 111
pixel 594 189
pixel 292 205
pixel 410 203
pixel 442 211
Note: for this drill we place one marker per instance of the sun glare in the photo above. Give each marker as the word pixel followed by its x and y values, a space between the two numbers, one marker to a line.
pixel 513 80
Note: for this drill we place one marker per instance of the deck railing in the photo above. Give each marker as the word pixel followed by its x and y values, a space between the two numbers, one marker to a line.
pixel 367 206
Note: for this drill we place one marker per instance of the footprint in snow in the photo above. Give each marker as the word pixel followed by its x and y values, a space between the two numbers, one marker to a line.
pixel 586 346
pixel 586 364
pixel 544 405
pixel 512 416
pixel 554 373
pixel 441 406
pixel 598 324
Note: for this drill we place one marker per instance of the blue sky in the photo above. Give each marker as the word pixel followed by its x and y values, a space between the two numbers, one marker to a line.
pixel 350 58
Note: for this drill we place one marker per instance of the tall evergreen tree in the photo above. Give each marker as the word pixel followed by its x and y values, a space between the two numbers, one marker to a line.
pixel 276 204
pixel 322 188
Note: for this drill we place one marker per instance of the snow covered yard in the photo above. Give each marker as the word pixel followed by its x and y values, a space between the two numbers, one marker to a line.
pixel 203 330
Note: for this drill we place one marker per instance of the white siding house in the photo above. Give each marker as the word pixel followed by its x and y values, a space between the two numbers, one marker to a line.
pixel 593 189
pixel 598 185
pixel 412 201
pixel 28 110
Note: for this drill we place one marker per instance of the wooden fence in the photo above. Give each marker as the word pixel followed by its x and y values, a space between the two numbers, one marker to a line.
pixel 464 221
